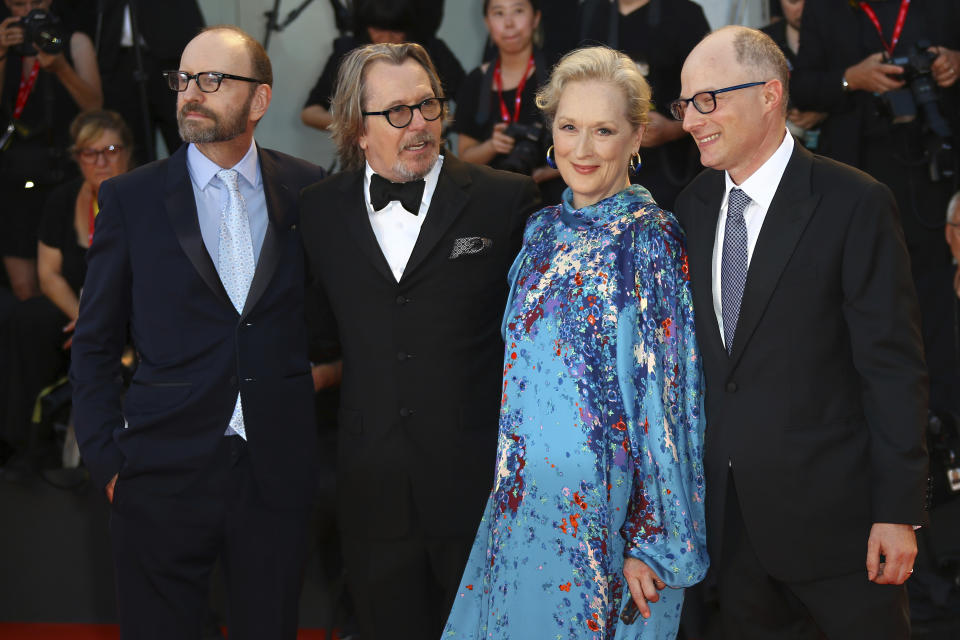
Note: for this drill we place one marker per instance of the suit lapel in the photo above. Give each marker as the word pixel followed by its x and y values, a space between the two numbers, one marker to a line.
pixel 358 222
pixel 278 199
pixel 181 208
pixel 449 199
pixel 790 211
pixel 701 236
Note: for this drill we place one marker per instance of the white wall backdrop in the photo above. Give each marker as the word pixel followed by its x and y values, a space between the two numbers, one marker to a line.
pixel 299 52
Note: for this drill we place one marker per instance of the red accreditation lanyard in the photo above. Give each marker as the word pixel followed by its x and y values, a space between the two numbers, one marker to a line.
pixel 498 80
pixel 26 87
pixel 94 210
pixel 897 28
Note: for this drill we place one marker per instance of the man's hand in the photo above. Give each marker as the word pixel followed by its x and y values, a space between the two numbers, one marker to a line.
pixel 644 584
pixel 51 62
pixel 327 374
pixel 898 544
pixel 945 67
pixel 69 329
pixel 873 74
pixel 660 130
pixel 806 119
pixel 110 486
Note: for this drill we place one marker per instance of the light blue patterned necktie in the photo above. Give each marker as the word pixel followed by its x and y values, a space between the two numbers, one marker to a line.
pixel 235 260
pixel 733 266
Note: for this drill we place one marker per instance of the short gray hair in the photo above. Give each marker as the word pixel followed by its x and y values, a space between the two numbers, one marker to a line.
pixel 758 51
pixel 601 64
pixel 347 104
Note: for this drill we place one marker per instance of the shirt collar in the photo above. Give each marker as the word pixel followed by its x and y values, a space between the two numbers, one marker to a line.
pixel 202 169
pixel 762 185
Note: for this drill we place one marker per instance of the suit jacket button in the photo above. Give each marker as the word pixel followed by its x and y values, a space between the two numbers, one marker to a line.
pixel 731 387
pixel 406 413
pixel 402 300
pixel 403 355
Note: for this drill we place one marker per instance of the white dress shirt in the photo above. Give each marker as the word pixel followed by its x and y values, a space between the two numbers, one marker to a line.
pixel 760 187
pixel 396 228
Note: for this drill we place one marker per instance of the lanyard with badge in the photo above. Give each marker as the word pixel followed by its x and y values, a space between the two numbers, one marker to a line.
pixel 27 82
pixel 897 27
pixel 498 80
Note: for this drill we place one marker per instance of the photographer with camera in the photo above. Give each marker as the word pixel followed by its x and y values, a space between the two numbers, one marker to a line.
pixel 886 73
pixel 497 120
pixel 47 74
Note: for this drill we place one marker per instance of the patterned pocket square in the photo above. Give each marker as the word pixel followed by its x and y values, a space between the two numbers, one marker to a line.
pixel 470 246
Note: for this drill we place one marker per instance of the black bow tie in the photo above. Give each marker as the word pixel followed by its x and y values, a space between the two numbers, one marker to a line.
pixel 383 192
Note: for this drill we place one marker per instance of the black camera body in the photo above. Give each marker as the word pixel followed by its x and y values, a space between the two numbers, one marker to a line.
pixel 43 29
pixel 526 153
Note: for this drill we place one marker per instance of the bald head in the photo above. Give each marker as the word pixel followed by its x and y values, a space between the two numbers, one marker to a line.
pixel 753 52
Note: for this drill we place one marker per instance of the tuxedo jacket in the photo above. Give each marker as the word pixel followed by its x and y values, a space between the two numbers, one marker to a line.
pixel 819 412
pixel 422 357
pixel 150 275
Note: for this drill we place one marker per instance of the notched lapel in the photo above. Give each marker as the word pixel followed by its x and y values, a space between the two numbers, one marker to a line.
pixel 449 199
pixel 788 216
pixel 358 222
pixel 278 198
pixel 182 210
pixel 701 236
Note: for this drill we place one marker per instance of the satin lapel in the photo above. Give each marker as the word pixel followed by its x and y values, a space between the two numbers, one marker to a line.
pixel 279 202
pixel 182 210
pixel 789 213
pixel 358 222
pixel 447 202
pixel 701 236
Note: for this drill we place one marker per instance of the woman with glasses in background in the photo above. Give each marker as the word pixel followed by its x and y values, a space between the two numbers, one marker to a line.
pixel 38 338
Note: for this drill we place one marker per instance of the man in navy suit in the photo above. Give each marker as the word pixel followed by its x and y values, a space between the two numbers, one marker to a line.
pixel 209 454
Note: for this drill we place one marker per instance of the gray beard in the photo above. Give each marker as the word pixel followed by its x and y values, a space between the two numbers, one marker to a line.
pixel 219 131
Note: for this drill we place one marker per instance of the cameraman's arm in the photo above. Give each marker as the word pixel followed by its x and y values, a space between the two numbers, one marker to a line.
pixel 316 116
pixel 470 149
pixel 81 81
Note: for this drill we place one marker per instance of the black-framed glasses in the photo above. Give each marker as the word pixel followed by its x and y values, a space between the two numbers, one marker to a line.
pixel 90 156
pixel 402 114
pixel 705 101
pixel 207 81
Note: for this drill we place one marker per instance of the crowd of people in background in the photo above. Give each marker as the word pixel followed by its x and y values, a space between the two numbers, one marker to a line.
pixel 874 86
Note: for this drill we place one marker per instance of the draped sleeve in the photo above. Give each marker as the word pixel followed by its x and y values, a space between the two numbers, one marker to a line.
pixel 662 385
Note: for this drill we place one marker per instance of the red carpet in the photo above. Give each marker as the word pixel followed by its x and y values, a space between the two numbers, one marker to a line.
pixel 19 631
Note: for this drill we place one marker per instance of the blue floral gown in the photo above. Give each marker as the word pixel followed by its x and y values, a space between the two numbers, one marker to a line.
pixel 601 432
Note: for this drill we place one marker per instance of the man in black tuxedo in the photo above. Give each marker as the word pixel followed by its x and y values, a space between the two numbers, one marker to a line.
pixel 210 454
pixel 816 386
pixel 410 251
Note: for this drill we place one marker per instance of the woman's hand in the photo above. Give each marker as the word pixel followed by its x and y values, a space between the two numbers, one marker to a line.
pixel 643 583
pixel 945 67
pixel 69 329
pixel 10 36
pixel 502 143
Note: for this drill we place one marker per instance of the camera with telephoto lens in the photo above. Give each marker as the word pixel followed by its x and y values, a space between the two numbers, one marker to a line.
pixel 43 29
pixel 920 97
pixel 528 142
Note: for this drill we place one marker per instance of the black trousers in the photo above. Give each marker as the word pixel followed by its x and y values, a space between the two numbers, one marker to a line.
pixel 754 605
pixel 403 588
pixel 164 548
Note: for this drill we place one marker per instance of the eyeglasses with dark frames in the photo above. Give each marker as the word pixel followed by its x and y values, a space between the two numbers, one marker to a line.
pixel 207 81
pixel 90 156
pixel 706 101
pixel 402 115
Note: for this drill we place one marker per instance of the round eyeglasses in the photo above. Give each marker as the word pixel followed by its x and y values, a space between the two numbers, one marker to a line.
pixel 705 101
pixel 207 81
pixel 90 156
pixel 402 114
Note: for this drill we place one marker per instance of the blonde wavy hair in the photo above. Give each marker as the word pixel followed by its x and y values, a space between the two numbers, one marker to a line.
pixel 600 64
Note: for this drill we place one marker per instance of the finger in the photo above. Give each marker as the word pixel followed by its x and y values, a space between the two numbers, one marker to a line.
pixel 638 598
pixel 650 591
pixel 890 69
pixel 873 559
